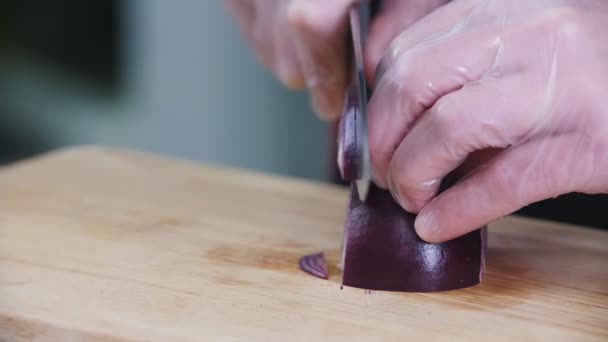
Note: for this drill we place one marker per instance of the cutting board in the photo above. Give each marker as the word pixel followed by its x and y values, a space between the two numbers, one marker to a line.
pixel 104 244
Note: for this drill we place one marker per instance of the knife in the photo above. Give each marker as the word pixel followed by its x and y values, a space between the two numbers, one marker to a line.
pixel 359 16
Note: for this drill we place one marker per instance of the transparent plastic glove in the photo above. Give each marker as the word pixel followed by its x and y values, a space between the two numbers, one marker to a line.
pixel 523 84
pixel 304 42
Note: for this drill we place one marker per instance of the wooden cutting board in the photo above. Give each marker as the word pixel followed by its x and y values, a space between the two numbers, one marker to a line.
pixel 100 244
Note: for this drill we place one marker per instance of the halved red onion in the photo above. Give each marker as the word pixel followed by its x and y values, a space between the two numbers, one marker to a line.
pixel 315 264
pixel 381 250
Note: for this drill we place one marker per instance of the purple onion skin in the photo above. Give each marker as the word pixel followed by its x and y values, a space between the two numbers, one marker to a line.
pixel 383 251
pixel 349 156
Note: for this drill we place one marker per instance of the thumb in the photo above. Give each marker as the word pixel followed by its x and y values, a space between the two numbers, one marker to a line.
pixel 524 174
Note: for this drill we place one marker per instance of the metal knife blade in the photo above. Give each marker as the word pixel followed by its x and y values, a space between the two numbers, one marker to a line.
pixel 359 16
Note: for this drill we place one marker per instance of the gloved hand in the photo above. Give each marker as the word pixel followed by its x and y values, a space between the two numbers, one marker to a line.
pixel 303 42
pixel 528 79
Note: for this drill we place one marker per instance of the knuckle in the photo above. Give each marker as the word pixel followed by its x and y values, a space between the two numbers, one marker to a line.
pixel 445 118
pixel 405 67
pixel 447 123
pixel 408 76
pixel 403 74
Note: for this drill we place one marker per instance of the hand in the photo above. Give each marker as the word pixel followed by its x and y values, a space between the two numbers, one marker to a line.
pixel 527 79
pixel 304 42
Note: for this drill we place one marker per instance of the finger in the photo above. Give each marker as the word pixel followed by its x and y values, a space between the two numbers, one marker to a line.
pixel 286 61
pixel 522 175
pixel 319 30
pixel 443 18
pixel 492 113
pixel 393 17
pixel 246 17
pixel 415 81
pixel 266 29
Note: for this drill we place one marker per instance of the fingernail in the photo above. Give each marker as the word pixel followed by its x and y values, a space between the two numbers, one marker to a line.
pixel 321 106
pixel 426 226
pixel 323 97
pixel 292 81
pixel 317 100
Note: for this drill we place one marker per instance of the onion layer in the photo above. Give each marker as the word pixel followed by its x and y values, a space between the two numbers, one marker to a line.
pixel 315 264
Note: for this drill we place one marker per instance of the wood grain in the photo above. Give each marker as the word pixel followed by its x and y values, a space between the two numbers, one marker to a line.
pixel 102 244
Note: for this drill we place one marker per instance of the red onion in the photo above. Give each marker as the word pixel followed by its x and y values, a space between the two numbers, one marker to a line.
pixel 383 252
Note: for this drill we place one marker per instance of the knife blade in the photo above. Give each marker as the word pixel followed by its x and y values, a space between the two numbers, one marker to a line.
pixel 359 16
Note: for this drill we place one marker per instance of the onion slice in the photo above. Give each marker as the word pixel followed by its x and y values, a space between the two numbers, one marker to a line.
pixel 315 264
pixel 349 148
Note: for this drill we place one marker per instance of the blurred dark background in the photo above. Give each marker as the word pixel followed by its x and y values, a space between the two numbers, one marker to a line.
pixel 69 38
pixel 161 76
pixel 78 37
pixel 166 77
